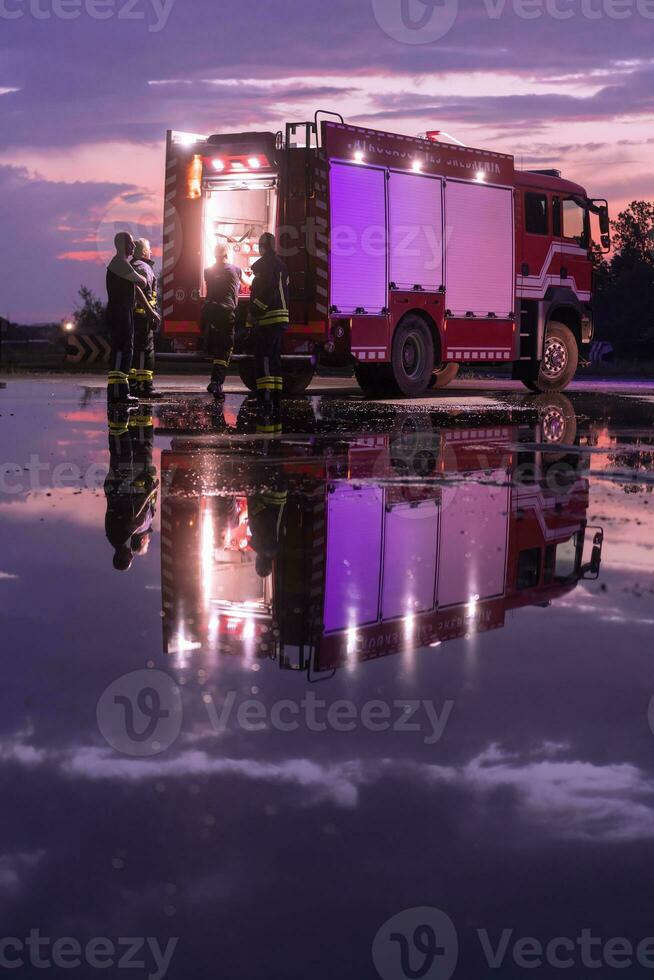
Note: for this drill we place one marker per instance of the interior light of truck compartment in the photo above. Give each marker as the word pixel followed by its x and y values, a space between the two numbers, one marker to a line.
pixel 358 156
pixel 480 176
pixel 195 177
pixel 218 164
pixel 254 163
pixel 417 166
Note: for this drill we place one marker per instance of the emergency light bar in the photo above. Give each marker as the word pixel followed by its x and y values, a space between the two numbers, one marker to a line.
pixel 238 164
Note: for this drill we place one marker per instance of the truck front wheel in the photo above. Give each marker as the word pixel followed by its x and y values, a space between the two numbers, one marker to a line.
pixel 413 355
pixel 560 360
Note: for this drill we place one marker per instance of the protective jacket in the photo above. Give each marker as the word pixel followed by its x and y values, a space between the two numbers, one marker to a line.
pixel 269 294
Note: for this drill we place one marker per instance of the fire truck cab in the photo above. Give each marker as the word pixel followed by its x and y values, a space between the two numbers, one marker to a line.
pixel 407 256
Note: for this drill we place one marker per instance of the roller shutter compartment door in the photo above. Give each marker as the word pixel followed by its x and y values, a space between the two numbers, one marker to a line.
pixel 473 541
pixel 354 552
pixel 479 242
pixel 410 550
pixel 358 239
pixel 415 231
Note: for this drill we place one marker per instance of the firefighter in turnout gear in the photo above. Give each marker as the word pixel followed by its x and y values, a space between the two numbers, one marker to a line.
pixel 223 282
pixel 131 485
pixel 268 318
pixel 123 285
pixel 265 513
pixel 141 376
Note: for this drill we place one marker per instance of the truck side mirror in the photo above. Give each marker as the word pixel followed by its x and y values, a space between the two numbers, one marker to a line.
pixel 592 569
pixel 605 227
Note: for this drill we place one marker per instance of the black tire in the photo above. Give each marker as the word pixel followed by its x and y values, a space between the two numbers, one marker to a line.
pixel 297 378
pixel 248 374
pixel 443 375
pixel 412 358
pixel 560 360
pixel 375 380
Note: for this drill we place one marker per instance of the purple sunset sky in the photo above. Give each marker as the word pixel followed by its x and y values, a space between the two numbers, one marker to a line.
pixel 85 102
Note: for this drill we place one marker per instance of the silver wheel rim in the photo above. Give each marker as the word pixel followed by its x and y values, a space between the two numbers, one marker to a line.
pixel 555 358
pixel 553 426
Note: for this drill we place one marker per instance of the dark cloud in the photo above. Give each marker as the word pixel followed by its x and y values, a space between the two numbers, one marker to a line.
pixel 86 79
pixel 636 92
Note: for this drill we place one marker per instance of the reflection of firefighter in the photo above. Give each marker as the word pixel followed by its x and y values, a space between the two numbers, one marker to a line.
pixel 141 376
pixel 130 486
pixel 265 512
pixel 268 316
pixel 219 316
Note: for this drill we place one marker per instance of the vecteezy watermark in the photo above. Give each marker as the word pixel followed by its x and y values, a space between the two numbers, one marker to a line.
pixel 99 953
pixel 317 715
pixel 418 943
pixel 423 944
pixel 154 13
pixel 140 714
pixel 427 21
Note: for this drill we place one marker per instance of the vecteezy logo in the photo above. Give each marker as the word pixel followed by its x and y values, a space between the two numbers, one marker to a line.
pixel 416 21
pixel 140 714
pixel 417 944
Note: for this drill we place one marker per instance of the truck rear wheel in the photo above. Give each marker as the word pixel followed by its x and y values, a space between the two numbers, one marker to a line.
pixel 560 360
pixel 443 375
pixel 413 355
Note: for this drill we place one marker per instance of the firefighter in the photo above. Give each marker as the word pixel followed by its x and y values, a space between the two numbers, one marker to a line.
pixel 141 379
pixel 218 320
pixel 265 512
pixel 124 286
pixel 268 318
pixel 131 485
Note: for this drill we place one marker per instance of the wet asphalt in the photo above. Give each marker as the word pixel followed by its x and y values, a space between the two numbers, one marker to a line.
pixel 372 698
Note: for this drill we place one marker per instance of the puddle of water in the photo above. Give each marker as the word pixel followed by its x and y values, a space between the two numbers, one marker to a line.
pixel 262 696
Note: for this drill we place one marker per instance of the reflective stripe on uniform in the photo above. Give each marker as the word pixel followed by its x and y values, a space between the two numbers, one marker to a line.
pixel 272 317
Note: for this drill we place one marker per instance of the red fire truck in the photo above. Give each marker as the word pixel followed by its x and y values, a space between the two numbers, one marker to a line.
pixel 376 544
pixel 407 256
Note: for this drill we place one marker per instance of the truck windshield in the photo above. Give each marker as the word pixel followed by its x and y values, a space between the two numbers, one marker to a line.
pixel 236 213
pixel 575 222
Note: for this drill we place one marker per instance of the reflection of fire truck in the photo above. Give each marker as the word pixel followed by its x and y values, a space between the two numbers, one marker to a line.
pixel 407 256
pixel 378 543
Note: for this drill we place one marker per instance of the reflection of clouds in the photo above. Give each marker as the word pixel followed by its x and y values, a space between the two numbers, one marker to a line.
pixel 567 798
pixel 560 798
pixel 338 783
pixel 82 509
pixel 7 575
pixel 12 868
